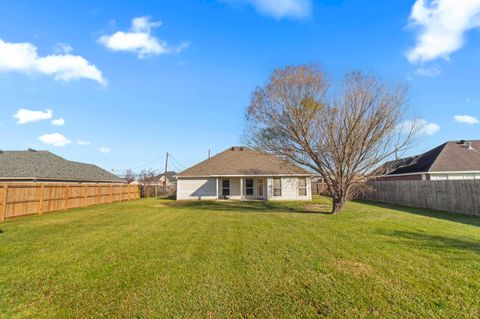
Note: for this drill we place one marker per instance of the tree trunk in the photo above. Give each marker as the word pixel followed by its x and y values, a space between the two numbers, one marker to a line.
pixel 337 205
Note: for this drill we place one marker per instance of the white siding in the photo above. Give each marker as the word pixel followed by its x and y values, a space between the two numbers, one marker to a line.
pixel 197 188
pixel 454 176
pixel 205 188
pixel 289 189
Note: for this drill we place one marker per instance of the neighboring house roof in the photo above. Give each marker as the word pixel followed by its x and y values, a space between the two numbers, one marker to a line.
pixel 169 175
pixel 449 157
pixel 243 161
pixel 43 165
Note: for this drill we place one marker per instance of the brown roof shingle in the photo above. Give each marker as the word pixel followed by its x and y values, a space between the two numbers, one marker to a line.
pixel 449 157
pixel 243 161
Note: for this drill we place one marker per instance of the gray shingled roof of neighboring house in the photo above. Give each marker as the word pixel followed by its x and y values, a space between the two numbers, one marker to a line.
pixel 243 161
pixel 43 165
pixel 452 156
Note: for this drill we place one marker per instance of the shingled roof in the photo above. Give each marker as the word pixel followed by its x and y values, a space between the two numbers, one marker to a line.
pixel 46 166
pixel 243 161
pixel 451 156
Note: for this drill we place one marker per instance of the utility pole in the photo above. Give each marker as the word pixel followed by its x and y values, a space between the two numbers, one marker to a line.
pixel 165 174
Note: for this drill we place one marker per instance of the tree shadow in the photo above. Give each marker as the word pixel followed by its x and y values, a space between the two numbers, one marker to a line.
pixel 459 218
pixel 252 206
pixel 430 241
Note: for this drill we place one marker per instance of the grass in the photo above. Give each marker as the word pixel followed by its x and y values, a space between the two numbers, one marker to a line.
pixel 158 258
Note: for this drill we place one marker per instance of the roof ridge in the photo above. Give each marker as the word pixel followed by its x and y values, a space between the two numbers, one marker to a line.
pixel 441 147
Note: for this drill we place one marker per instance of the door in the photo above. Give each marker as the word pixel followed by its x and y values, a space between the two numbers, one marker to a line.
pixel 260 188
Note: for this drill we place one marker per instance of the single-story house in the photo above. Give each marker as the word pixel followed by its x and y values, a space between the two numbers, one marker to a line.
pixel 43 166
pixel 452 160
pixel 168 178
pixel 244 173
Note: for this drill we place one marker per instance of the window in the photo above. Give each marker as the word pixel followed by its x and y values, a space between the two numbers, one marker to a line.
pixel 249 187
pixel 277 186
pixel 302 186
pixel 225 187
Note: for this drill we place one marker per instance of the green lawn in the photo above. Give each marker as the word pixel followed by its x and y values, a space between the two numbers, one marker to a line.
pixel 159 258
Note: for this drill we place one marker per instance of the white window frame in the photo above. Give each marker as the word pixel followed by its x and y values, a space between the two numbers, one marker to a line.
pixel 279 179
pixel 252 188
pixel 225 188
pixel 302 188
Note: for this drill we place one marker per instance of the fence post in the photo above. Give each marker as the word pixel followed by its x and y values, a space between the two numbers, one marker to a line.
pixel 3 212
pixel 65 202
pixel 97 195
pixel 40 201
pixel 85 194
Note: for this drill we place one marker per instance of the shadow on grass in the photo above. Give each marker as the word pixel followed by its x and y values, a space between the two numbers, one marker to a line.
pixel 459 218
pixel 435 242
pixel 253 206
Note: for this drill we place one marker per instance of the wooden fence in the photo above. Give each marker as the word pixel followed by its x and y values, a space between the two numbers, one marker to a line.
pixel 456 196
pixel 319 188
pixel 20 199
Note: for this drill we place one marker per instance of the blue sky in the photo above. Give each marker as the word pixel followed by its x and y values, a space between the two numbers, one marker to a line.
pixel 132 88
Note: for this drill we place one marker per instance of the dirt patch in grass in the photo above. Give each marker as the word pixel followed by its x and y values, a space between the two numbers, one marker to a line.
pixel 316 207
pixel 355 268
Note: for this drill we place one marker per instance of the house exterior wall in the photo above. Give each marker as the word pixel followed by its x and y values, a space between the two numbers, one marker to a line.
pixel 410 177
pixel 289 189
pixel 431 176
pixel 206 188
pixel 197 188
pixel 454 176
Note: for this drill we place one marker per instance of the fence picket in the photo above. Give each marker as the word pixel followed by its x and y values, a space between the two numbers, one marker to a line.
pixel 20 199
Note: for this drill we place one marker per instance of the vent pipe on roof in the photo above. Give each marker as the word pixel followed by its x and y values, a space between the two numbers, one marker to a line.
pixel 469 146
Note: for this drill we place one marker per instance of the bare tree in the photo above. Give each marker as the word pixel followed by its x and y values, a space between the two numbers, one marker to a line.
pixel 343 136
pixel 148 176
pixel 129 176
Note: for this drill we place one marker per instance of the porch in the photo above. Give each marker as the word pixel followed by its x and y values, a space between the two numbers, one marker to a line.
pixel 241 188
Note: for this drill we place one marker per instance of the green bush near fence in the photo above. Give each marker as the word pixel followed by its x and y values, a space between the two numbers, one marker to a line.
pixel 156 258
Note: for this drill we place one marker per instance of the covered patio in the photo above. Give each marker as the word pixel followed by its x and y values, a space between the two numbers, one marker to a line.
pixel 248 187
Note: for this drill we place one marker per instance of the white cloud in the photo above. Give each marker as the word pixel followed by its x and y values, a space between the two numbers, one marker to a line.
pixel 430 128
pixel 105 150
pixel 58 122
pixel 421 126
pixel 441 24
pixel 140 40
pixel 279 9
pixel 62 48
pixel 55 139
pixel 430 72
pixel 84 143
pixel 24 116
pixel 23 57
pixel 467 119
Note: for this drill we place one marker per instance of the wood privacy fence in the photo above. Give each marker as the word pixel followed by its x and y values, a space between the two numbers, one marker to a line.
pixel 20 199
pixel 319 188
pixel 456 196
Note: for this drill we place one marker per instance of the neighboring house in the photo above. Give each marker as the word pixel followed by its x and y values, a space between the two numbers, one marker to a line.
pixel 243 173
pixel 449 161
pixel 168 178
pixel 43 166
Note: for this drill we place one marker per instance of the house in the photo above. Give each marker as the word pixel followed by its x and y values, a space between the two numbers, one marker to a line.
pixel 168 178
pixel 244 173
pixel 450 161
pixel 43 166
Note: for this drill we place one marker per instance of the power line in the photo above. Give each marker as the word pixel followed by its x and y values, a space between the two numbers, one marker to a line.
pixel 177 161
pixel 151 162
